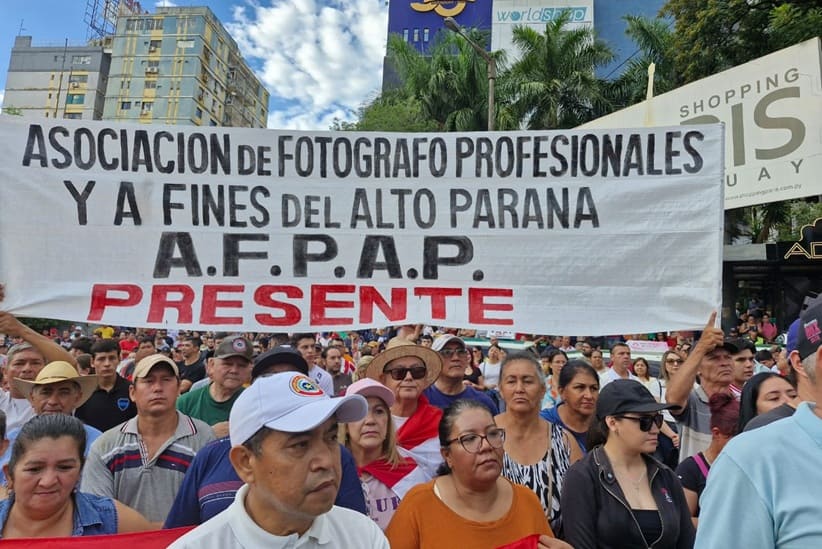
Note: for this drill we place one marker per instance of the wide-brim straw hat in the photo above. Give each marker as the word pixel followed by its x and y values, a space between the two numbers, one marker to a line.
pixel 398 348
pixel 55 372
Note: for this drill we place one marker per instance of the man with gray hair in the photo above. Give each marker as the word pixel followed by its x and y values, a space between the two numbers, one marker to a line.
pixel 769 472
pixel 24 361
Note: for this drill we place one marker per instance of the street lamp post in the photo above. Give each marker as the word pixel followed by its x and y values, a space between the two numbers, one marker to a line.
pixel 452 25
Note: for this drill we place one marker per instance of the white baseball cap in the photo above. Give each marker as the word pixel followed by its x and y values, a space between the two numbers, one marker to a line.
pixel 291 403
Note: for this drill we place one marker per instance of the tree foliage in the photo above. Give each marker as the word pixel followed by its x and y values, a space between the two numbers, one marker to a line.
pixel 392 111
pixel 450 84
pixel 714 35
pixel 553 84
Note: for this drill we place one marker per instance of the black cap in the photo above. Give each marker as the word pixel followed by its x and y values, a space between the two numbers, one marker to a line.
pixel 737 344
pixel 626 395
pixel 279 355
pixel 809 330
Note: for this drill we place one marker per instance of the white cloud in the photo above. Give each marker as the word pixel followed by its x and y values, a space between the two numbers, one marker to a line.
pixel 165 4
pixel 323 58
pixel 2 97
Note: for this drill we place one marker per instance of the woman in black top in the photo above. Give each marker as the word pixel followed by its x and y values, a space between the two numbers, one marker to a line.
pixel 618 496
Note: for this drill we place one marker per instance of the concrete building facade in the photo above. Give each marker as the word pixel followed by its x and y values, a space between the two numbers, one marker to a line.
pixel 57 81
pixel 180 66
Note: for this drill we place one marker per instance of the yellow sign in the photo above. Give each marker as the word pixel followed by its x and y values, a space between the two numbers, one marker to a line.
pixel 441 7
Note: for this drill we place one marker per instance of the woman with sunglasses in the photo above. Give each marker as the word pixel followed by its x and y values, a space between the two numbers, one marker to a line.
pixel 407 370
pixel 469 504
pixel 668 450
pixel 618 495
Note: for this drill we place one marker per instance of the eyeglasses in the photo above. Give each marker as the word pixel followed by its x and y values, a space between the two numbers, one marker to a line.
pixel 397 374
pixel 472 442
pixel 645 422
pixel 447 353
pixel 674 361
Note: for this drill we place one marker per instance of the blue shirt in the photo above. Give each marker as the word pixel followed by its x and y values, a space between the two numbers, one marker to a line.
pixel 441 400
pixel 91 435
pixel 211 483
pixel 93 515
pixel 769 476
pixel 552 415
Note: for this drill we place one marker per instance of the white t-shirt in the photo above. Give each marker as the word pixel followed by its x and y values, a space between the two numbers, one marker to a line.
pixel 490 371
pixel 340 527
pixel 380 500
pixel 18 410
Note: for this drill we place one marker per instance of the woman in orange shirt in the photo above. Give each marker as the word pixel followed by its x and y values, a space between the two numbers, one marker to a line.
pixel 469 504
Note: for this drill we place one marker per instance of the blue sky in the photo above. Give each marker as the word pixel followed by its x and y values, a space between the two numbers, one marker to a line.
pixel 320 59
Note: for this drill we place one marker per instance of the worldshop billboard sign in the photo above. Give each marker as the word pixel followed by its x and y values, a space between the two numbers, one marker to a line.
pixel 509 14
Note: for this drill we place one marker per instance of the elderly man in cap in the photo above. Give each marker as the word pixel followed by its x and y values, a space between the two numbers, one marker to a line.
pixel 57 389
pixel 229 371
pixel 211 482
pixel 143 461
pixel 769 474
pixel 284 448
pixel 408 370
pixel 449 386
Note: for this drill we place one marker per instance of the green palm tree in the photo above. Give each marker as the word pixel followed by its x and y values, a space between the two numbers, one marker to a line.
pixel 553 84
pixel 654 39
pixel 451 83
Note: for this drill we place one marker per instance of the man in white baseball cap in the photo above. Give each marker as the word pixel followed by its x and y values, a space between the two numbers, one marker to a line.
pixel 283 432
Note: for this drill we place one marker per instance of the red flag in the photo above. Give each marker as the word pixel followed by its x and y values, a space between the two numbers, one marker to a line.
pixel 139 540
pixel 529 542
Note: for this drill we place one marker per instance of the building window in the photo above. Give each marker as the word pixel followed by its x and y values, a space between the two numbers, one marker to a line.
pixel 155 64
pixel 75 99
pixel 185 44
pixel 154 45
pixel 125 105
pixel 425 32
pixel 198 112
pixel 147 106
pixel 79 78
pixel 416 35
pixel 150 85
pixel 405 34
pixel 74 115
pixel 212 122
pixel 81 60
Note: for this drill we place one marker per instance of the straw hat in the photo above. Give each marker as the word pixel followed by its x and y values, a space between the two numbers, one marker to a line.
pixel 55 372
pixel 399 348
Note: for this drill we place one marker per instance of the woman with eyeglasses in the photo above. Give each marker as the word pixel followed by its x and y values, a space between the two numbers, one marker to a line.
pixel 408 369
pixel 618 495
pixel 693 471
pixel 469 504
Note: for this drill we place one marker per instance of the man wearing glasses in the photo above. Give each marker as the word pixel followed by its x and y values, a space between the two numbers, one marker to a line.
pixel 451 385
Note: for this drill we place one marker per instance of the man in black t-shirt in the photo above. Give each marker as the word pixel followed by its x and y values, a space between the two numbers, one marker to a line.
pixel 110 404
pixel 192 367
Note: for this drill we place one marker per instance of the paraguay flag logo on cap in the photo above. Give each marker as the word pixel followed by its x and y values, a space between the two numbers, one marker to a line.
pixel 304 386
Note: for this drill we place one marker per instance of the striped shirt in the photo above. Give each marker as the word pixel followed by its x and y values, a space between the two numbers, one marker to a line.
pixel 118 465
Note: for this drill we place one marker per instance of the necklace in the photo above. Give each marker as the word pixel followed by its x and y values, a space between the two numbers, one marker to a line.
pixel 635 483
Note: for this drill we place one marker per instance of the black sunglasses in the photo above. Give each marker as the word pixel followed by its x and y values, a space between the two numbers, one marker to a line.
pixel 645 422
pixel 397 374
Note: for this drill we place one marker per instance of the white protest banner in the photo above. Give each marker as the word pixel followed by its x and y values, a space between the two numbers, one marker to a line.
pixel 240 229
pixel 772 109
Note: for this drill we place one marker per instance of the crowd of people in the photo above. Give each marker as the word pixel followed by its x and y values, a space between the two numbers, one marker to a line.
pixel 413 437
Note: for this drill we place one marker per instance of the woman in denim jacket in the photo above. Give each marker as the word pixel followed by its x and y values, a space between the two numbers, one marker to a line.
pixel 43 473
pixel 618 496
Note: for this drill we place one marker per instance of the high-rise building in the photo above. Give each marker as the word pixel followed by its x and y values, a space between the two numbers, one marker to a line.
pixel 56 81
pixel 175 66
pixel 180 66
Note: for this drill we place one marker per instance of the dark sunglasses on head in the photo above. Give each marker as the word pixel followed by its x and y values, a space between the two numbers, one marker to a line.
pixel 645 422
pixel 397 374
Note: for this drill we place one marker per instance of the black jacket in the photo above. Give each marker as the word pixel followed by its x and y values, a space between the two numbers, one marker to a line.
pixel 596 515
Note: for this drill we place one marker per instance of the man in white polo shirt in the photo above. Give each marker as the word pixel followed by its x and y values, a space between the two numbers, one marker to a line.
pixel 283 433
